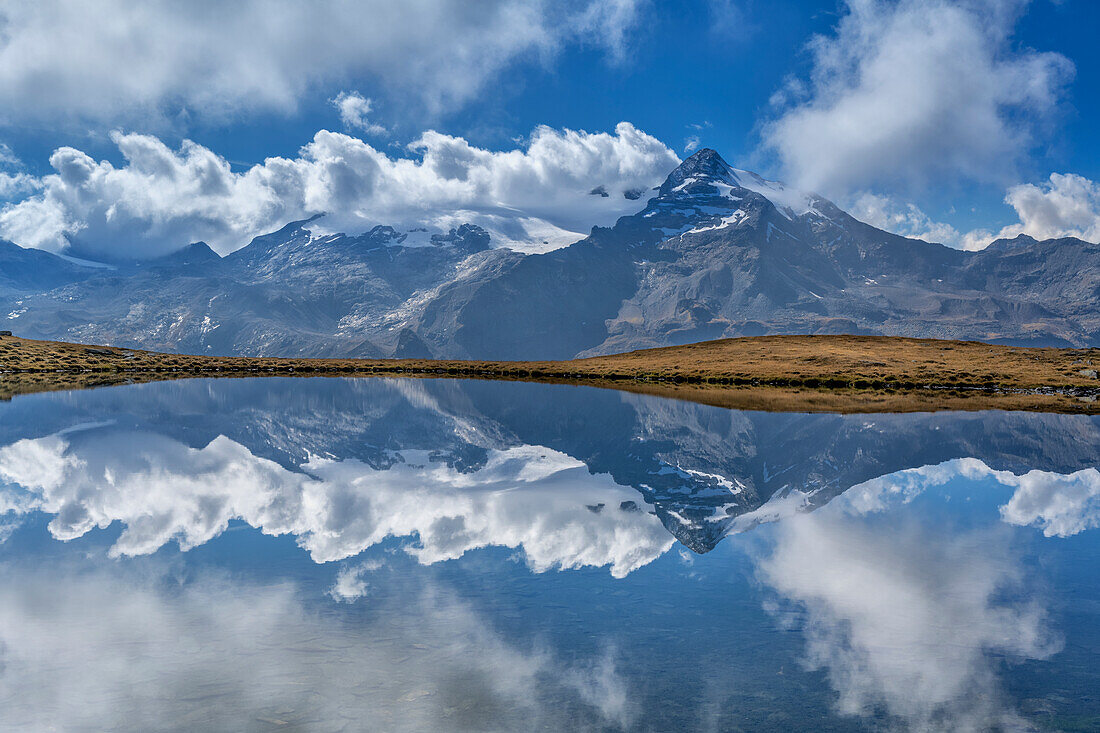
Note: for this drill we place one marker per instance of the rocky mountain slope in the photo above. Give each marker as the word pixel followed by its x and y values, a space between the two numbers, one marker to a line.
pixel 715 252
pixel 23 270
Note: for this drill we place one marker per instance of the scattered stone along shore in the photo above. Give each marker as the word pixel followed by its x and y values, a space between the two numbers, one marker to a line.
pixel 799 373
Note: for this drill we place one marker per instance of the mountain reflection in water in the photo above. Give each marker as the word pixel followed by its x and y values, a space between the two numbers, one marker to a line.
pixel 325 554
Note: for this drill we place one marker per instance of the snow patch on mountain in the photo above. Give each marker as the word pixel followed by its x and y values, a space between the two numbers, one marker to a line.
pixel 726 221
pixel 528 235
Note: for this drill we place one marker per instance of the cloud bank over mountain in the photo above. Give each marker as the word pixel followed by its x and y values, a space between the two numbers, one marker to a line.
pixel 162 199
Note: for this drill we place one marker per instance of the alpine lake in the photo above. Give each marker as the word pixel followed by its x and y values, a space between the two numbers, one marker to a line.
pixel 375 554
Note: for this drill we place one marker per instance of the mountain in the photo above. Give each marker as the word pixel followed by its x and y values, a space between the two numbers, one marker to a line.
pixel 721 252
pixel 25 271
pixel 715 252
pixel 196 253
pixel 288 292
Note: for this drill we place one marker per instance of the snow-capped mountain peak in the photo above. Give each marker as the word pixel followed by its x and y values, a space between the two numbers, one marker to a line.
pixel 705 173
pixel 705 194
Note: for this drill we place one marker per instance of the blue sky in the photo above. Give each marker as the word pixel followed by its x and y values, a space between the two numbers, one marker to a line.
pixel 918 115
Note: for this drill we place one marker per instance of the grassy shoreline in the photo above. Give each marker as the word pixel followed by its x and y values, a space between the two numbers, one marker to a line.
pixel 788 373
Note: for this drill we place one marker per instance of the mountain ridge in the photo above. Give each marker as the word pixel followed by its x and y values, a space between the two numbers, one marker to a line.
pixel 715 252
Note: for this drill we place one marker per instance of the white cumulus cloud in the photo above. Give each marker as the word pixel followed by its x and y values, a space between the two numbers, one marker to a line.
pixel 1068 205
pixel 13 180
pixel 115 60
pixel 7 157
pixel 161 199
pixel 902 218
pixel 909 220
pixel 913 93
pixel 355 112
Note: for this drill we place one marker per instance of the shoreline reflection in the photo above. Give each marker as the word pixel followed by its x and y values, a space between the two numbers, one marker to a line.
pixel 479 556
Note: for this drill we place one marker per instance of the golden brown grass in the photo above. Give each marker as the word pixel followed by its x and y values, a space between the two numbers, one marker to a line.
pixel 817 373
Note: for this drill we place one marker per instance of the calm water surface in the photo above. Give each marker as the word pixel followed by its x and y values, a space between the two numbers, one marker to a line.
pixel 347 555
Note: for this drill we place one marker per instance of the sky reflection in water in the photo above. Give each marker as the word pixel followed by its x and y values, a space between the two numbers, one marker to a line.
pixel 326 554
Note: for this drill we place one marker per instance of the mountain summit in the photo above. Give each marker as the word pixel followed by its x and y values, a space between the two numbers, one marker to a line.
pixel 714 252
pixel 703 163
pixel 706 172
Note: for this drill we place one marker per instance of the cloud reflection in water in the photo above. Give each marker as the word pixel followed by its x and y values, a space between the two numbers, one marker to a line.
pixel 908 617
pixel 160 490
pixel 102 648
pixel 910 620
